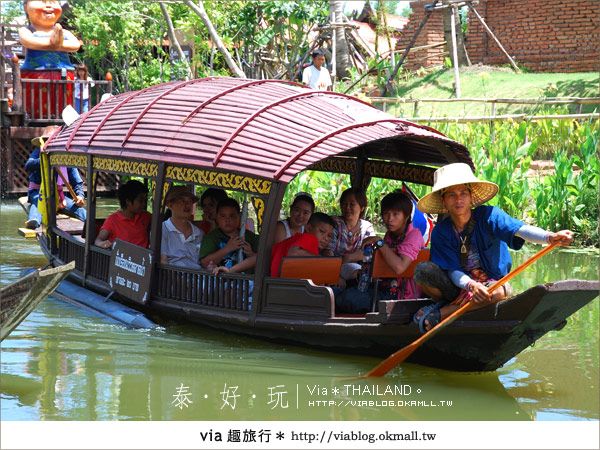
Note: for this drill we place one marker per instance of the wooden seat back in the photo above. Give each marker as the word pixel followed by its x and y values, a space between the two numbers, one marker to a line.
pixel 321 270
pixel 381 269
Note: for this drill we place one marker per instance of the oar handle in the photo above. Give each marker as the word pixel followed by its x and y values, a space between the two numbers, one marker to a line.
pixel 401 355
pixel 67 184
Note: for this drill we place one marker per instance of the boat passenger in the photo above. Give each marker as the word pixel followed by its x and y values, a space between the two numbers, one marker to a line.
pixel 399 247
pixel 132 222
pixel 313 242
pixel 469 248
pixel 209 200
pixel 181 239
pixel 71 206
pixel 351 232
pixel 221 246
pixel 300 212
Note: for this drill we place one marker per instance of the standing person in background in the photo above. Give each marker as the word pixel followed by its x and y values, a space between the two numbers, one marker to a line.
pixel 316 76
pixel 82 89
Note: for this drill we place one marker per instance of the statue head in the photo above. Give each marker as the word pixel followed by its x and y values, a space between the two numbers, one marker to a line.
pixel 42 14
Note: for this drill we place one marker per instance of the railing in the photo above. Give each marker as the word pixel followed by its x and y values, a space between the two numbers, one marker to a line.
pixel 225 291
pixel 579 101
pixel 43 99
pixel 99 263
pixel 70 249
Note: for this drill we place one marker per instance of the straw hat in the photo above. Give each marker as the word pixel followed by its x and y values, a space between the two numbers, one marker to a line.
pixel 46 133
pixel 454 175
pixel 177 192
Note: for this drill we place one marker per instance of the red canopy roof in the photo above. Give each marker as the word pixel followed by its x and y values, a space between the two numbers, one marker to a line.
pixel 267 128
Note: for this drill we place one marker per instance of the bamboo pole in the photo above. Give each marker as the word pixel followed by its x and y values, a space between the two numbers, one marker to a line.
pixel 512 62
pixel 517 101
pixel 454 51
pixel 515 117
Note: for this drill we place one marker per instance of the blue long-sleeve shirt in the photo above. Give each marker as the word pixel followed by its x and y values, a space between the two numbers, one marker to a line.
pixel 32 166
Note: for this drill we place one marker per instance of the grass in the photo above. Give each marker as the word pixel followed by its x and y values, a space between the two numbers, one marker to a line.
pixel 491 82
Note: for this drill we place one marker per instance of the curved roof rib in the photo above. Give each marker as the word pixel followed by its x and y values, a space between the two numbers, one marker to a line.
pixel 266 128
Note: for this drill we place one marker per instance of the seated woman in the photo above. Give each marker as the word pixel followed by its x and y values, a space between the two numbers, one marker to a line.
pixel 300 211
pixel 351 231
pixel 181 240
pixel 221 246
pixel 401 245
pixel 469 248
pixel 209 200
pixel 132 222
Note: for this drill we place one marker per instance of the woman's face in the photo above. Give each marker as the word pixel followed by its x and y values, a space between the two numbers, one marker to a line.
pixel 351 210
pixel 43 13
pixel 209 209
pixel 300 213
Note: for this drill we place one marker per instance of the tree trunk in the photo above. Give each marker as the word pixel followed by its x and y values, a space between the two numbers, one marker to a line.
pixel 342 57
pixel 201 12
pixel 463 59
pixel 174 41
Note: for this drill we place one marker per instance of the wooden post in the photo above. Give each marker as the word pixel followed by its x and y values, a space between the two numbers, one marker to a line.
pixel 492 129
pixel 415 108
pixel 493 36
pixel 453 16
pixel 333 51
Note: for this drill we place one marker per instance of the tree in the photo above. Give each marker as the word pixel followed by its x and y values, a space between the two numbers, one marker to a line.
pixel 342 54
pixel 174 41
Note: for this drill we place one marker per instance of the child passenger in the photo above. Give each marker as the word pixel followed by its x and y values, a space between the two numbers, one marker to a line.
pixel 313 242
pixel 401 245
pixel 132 222
pixel 221 246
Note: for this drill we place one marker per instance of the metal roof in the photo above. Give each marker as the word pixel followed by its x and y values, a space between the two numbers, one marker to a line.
pixel 267 128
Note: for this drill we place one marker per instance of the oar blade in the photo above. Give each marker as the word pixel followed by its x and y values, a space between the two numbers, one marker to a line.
pixel 392 361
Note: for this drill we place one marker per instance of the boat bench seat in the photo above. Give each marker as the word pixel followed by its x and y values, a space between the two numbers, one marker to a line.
pixel 322 270
pixel 381 269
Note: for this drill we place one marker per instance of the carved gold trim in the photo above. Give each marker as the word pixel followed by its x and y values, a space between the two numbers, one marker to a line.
pixel 69 160
pixel 137 168
pixel 219 179
pixel 259 208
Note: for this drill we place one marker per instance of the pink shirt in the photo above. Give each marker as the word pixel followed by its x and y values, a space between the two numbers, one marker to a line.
pixel 410 247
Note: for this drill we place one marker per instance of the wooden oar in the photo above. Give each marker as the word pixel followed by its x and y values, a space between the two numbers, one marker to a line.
pixel 401 355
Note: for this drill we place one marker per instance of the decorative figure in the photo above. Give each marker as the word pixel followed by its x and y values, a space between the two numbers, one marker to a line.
pixel 47 46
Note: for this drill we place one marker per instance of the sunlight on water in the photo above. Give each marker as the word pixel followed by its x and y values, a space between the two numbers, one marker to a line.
pixel 63 362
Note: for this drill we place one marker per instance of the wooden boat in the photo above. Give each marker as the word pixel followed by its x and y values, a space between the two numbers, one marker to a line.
pixel 255 136
pixel 21 297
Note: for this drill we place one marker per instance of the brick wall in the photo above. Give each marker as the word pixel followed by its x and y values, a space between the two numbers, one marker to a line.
pixel 542 35
pixel 432 33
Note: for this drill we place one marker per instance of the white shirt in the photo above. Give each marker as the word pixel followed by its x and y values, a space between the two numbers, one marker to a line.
pixel 179 250
pixel 85 87
pixel 316 78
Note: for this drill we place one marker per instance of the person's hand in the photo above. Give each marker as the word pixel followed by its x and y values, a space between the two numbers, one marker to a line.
pixel 233 244
pixel 79 201
pixel 105 244
pixel 562 237
pixel 220 269
pixel 341 283
pixel 369 240
pixel 211 266
pixel 247 249
pixel 480 292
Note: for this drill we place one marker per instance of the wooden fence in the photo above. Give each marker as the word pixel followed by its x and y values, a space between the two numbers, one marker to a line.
pixel 580 101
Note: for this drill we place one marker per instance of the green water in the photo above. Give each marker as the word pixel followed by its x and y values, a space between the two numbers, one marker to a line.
pixel 65 363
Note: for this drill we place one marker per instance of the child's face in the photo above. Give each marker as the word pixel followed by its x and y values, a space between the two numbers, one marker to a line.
pixel 323 232
pixel 394 220
pixel 43 13
pixel 139 204
pixel 228 219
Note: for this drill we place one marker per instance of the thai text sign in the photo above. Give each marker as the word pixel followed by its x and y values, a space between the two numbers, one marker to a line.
pixel 130 270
